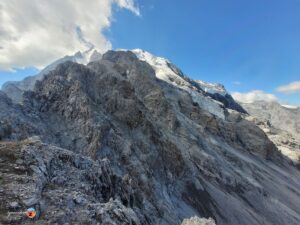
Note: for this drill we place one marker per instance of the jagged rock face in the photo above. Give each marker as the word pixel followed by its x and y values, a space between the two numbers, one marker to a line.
pixel 62 186
pixel 120 146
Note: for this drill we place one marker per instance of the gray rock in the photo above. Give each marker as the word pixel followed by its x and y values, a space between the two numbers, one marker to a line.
pixel 115 145
pixel 14 205
pixel 79 200
pixel 19 162
pixel 197 221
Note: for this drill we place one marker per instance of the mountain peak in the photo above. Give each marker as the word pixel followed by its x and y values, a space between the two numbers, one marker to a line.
pixel 87 56
pixel 164 70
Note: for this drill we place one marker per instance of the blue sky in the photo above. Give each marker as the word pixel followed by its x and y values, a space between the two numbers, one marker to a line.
pixel 245 45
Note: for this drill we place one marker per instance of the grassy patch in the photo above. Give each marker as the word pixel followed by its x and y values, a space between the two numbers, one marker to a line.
pixel 10 151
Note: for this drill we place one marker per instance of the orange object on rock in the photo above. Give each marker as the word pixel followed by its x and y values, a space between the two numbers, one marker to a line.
pixel 31 213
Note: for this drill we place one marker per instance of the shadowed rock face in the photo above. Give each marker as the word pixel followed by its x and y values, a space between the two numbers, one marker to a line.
pixel 116 145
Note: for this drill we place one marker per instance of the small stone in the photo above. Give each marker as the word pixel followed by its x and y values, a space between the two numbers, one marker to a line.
pixel 198 221
pixel 19 162
pixel 79 200
pixel 14 205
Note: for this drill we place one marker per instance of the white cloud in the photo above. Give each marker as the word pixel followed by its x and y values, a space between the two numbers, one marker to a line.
pixel 129 4
pixel 290 88
pixel 36 32
pixel 253 96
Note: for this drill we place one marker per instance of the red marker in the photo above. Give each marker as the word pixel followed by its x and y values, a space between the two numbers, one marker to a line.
pixel 31 213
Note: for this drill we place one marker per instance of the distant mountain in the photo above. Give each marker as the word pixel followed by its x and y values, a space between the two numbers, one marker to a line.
pixel 130 140
pixel 282 117
pixel 280 123
pixel 15 89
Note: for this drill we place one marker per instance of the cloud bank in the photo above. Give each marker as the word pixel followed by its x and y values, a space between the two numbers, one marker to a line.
pixel 290 88
pixel 253 96
pixel 36 32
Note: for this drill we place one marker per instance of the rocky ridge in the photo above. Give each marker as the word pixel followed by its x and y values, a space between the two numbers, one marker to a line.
pixel 15 89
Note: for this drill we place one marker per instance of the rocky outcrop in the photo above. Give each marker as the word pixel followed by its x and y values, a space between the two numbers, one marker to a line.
pixel 118 145
pixel 62 186
pixel 197 221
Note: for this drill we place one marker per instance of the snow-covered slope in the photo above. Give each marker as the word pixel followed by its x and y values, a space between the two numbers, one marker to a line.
pixel 85 57
pixel 212 97
pixel 163 68
pixel 169 73
pixel 290 106
pixel 166 71
pixel 212 88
